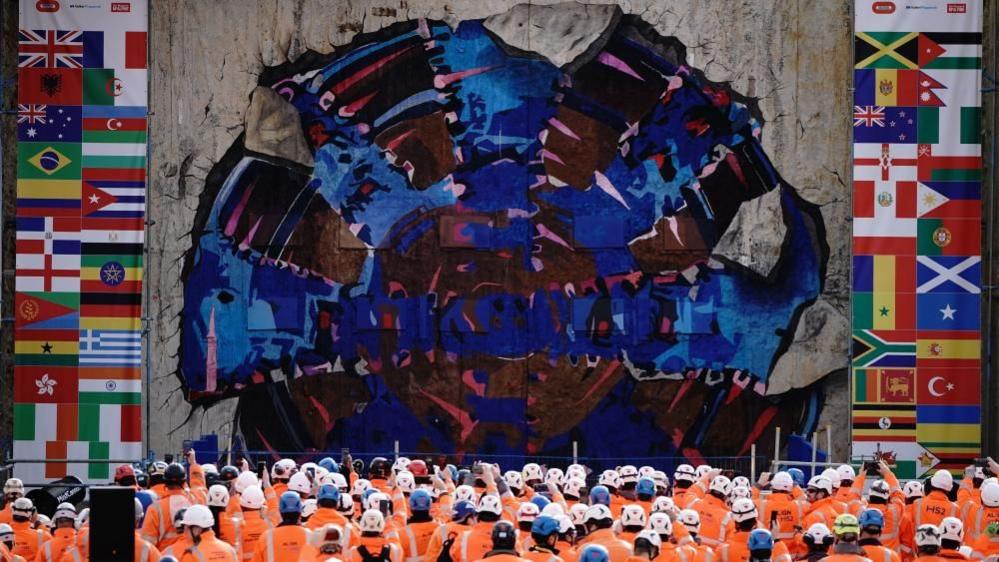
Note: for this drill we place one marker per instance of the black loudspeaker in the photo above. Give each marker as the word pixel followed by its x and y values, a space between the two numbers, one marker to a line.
pixel 112 523
pixel 68 489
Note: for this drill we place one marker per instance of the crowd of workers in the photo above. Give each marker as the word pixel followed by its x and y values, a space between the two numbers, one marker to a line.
pixel 411 511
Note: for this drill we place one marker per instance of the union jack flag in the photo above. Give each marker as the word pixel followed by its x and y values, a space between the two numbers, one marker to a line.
pixel 50 48
pixel 868 116
pixel 31 113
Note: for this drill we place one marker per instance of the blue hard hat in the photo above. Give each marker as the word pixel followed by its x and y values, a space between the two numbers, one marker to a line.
pixel 600 494
pixel 453 470
pixel 540 501
pixel 368 492
pixel 594 553
pixel 328 492
pixel 797 475
pixel 645 487
pixel 872 518
pixel 544 526
pixel 761 539
pixel 146 498
pixel 290 502
pixel 420 500
pixel 329 464
pixel 462 510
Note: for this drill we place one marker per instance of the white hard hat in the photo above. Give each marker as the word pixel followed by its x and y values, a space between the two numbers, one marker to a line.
pixel 553 510
pixel 597 512
pixel 252 498
pixel 832 475
pixel 610 479
pixel 300 483
pixel 721 484
pixel 198 516
pixel 651 536
pixel 743 509
pixel 400 464
pixel 285 467
pixel 739 492
pixel 951 529
pixel 42 520
pixel 532 471
pixel 990 494
pixel 554 475
pixel 741 481
pixel 645 471
pixel 513 479
pixel 632 515
pixel 565 524
pixel 338 480
pixel 345 504
pixel 245 479
pixel 361 485
pixel 309 507
pixel 846 472
pixel 372 521
pixel 942 480
pixel 22 507
pixel 661 523
pixel 574 487
pixel 821 483
pixel 13 486
pixel 664 504
pixel 527 511
pixel 576 471
pixel 82 518
pixel 6 533
pixel 685 472
pixel 490 503
pixel 578 513
pixel 818 533
pixel 373 501
pixel 702 469
pixel 691 520
pixel 65 510
pixel 405 481
pixel 628 473
pixel 209 469
pixel 218 496
pixel 782 482
pixel 879 489
pixel 913 489
pixel 464 493
pixel 660 478
pixel 928 535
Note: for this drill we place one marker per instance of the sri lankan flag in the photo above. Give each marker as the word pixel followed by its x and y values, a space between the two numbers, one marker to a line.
pixel 884 386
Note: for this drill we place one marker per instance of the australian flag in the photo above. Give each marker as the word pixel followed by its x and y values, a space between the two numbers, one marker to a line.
pixel 49 123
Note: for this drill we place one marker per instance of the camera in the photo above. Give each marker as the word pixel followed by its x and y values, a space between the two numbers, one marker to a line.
pixel 871 468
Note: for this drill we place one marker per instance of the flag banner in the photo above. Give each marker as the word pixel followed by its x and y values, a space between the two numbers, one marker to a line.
pixel 917 232
pixel 79 233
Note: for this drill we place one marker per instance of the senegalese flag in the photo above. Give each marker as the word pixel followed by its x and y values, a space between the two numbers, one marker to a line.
pixel 884 292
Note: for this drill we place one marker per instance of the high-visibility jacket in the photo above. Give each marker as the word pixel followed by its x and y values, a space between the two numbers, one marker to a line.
pixel 618 549
pixel 677 553
pixel 6 556
pixel 451 530
pixel 893 513
pixel 846 558
pixel 566 551
pixel 281 544
pixel 54 548
pixel 540 554
pixel 784 511
pixel 736 549
pixel 7 513
pixel 415 539
pixel 977 520
pixel 208 549
pixel 74 554
pixel 145 551
pixel 27 541
pixel 880 553
pixel 951 554
pixel 928 510
pixel 248 531
pixel 985 546
pixel 374 546
pixel 716 520
pixel 326 516
pixel 177 548
pixel 311 553
pixel 227 529
pixel 703 552
pixel 930 558
pixel 157 527
pixel 683 497
pixel 473 543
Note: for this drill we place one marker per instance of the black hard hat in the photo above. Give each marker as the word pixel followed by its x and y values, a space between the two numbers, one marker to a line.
pixel 228 473
pixel 175 474
pixel 504 536
pixel 379 467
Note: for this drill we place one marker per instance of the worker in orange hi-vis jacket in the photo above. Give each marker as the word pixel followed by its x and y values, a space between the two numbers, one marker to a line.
pixel 930 509
pixel 284 542
pixel 63 537
pixel 716 520
pixel 13 488
pixel 144 550
pixel 372 545
pixel 419 529
pixel 325 542
pixel 928 542
pixel 28 540
pixel 872 523
pixel 7 543
pixel 599 530
pixel 779 511
pixel 503 544
pixel 544 541
pixel 846 529
pixel 736 547
pixel 157 527
pixel 886 496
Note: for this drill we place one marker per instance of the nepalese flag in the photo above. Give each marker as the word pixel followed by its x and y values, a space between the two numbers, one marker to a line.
pixel 52 48
pixel 49 123
pixel 890 87
pixel 881 124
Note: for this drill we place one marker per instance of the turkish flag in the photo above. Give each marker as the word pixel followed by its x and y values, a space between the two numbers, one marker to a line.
pixel 949 386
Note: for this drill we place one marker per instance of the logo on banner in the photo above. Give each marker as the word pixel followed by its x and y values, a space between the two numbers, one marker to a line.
pixel 883 7
pixel 121 7
pixel 941 237
pixel 47 6
pixel 957 8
